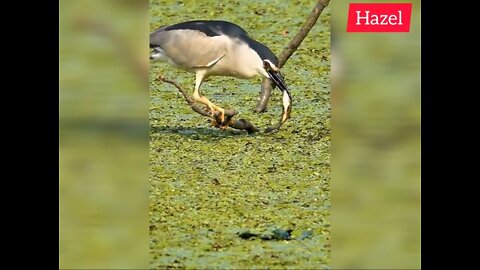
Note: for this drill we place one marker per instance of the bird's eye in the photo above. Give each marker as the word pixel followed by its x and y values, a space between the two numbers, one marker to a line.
pixel 266 65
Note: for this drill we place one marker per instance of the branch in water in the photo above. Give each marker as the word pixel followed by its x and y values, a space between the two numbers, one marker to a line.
pixel 241 124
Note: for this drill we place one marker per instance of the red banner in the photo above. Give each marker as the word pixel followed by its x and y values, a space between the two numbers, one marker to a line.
pixel 363 17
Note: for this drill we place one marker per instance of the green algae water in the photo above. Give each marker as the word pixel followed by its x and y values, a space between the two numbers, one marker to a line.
pixel 209 187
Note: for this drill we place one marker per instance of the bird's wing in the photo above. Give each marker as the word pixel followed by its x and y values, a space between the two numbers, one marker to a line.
pixel 216 56
pixel 190 48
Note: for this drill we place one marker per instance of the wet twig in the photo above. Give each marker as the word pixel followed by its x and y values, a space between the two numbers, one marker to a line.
pixel 241 124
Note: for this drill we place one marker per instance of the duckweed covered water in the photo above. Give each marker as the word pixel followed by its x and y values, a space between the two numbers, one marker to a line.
pixel 208 186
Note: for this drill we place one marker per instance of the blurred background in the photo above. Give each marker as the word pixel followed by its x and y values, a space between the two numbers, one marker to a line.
pixel 103 129
pixel 375 195
pixel 103 134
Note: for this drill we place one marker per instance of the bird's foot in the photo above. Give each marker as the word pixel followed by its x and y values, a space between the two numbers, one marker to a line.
pixel 221 117
pixel 220 123
pixel 221 126
pixel 218 115
pixel 210 111
pixel 216 124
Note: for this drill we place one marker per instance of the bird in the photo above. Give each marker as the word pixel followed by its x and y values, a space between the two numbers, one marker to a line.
pixel 217 48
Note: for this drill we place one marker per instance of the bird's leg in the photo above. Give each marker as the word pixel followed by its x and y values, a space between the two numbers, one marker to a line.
pixel 211 107
pixel 202 99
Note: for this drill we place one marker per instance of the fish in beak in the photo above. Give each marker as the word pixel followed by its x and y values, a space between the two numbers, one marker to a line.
pixel 277 78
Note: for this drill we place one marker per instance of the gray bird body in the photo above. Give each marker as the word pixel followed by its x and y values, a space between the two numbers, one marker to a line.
pixel 216 48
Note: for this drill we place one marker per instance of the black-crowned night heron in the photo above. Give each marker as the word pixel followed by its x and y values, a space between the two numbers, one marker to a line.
pixel 217 48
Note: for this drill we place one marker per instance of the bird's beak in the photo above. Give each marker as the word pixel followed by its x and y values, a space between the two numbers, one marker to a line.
pixel 277 78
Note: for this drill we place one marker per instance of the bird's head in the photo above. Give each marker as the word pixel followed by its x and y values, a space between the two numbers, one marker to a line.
pixel 273 73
